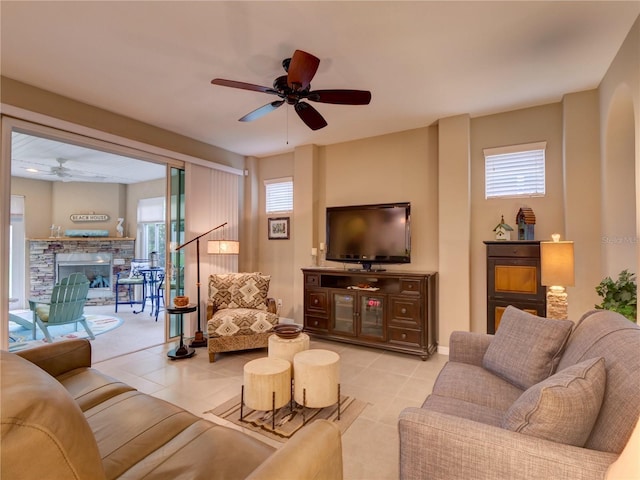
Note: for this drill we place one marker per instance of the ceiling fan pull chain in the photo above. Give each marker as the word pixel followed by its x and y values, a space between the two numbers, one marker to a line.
pixel 287 124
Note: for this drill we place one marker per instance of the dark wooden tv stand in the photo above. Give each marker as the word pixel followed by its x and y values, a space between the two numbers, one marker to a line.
pixel 390 310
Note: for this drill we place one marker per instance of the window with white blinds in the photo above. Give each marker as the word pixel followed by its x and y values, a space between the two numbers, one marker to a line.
pixel 515 171
pixel 279 195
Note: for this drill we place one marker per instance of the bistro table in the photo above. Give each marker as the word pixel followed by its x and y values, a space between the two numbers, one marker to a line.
pixel 152 289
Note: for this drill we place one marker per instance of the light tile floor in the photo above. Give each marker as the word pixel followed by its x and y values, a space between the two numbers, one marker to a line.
pixel 388 381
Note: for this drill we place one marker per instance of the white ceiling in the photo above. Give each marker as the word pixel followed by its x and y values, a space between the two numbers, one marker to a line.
pixel 153 61
pixel 40 158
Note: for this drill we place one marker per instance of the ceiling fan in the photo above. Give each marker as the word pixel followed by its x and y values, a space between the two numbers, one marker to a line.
pixel 67 174
pixel 294 87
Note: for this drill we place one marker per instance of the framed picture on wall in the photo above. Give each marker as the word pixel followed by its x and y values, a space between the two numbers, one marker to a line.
pixel 279 228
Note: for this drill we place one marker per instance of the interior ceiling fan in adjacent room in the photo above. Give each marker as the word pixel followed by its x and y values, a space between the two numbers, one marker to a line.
pixel 295 87
pixel 67 174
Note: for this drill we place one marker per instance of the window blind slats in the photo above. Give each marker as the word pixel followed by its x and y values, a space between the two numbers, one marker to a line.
pixel 517 173
pixel 279 196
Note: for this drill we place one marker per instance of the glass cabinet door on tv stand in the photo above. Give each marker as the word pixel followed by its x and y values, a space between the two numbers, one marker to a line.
pixel 344 309
pixel 371 315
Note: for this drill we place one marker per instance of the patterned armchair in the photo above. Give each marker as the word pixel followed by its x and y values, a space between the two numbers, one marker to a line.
pixel 240 316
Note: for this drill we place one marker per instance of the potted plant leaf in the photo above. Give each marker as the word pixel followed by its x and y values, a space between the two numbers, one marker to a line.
pixel 620 296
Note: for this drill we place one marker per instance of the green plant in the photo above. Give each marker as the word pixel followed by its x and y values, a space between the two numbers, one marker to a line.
pixel 620 296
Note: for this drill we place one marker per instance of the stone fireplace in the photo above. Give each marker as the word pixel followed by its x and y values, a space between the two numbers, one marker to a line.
pixel 100 259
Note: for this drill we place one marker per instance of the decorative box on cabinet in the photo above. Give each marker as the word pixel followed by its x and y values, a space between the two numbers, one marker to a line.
pixel 513 278
pixel 397 311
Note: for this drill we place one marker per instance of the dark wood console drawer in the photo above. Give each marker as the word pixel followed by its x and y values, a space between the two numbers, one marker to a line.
pixel 408 285
pixel 315 323
pixel 405 312
pixel 316 302
pixel 511 250
pixel 312 280
pixel 404 336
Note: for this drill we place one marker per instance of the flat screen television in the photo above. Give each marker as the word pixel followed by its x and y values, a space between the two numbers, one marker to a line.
pixel 369 234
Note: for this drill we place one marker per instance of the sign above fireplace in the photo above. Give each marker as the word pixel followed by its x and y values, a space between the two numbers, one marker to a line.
pixel 89 217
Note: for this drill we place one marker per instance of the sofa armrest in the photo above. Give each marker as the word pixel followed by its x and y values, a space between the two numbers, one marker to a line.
pixel 60 357
pixel 314 453
pixel 438 446
pixel 272 307
pixel 468 347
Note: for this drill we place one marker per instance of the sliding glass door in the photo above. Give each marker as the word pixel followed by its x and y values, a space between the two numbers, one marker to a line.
pixel 175 266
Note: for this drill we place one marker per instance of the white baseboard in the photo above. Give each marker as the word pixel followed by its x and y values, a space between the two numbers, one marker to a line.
pixel 443 350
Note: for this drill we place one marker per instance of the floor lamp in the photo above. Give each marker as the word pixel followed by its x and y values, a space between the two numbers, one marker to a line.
pixel 199 339
pixel 557 267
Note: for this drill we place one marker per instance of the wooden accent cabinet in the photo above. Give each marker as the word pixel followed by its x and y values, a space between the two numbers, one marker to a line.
pixel 513 278
pixel 397 311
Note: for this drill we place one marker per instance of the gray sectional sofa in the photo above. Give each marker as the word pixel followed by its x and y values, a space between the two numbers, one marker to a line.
pixel 540 399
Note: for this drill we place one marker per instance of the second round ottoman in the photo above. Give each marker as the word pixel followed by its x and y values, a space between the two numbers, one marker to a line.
pixel 316 378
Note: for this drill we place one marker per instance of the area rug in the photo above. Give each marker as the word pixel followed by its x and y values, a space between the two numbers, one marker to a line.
pixel 288 422
pixel 21 338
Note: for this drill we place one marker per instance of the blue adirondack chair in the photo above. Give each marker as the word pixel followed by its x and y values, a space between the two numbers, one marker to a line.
pixel 65 306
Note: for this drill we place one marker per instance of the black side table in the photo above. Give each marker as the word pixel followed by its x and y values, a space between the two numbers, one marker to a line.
pixel 182 351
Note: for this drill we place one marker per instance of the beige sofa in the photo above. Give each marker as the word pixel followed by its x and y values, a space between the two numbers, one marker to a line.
pixel 542 399
pixel 240 315
pixel 62 419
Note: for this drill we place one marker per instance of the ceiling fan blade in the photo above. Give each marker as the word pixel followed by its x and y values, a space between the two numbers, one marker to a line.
pixel 259 112
pixel 243 85
pixel 302 68
pixel 341 97
pixel 310 116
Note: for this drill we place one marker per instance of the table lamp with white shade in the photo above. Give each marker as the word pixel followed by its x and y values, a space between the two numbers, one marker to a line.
pixel 557 265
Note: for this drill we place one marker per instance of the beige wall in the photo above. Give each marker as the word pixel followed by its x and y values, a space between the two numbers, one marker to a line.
pixel 399 167
pixel 275 257
pixel 583 194
pixel 38 206
pixel 620 151
pixel 79 197
pixel 48 203
pixel 454 226
pixel 511 128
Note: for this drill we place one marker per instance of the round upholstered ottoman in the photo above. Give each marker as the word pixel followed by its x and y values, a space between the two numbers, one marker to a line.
pixel 286 348
pixel 267 383
pixel 316 378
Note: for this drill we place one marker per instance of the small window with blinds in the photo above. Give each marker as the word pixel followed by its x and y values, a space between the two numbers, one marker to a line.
pixel 515 171
pixel 279 195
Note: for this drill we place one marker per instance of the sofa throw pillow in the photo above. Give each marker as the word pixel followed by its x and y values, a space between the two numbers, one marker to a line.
pixel 526 349
pixel 564 407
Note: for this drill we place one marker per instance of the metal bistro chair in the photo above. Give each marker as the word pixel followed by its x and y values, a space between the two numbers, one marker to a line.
pixel 66 305
pixel 129 280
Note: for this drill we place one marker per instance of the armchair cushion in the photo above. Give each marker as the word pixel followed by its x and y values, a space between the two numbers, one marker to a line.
pixel 526 349
pixel 239 290
pixel 240 321
pixel 564 407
